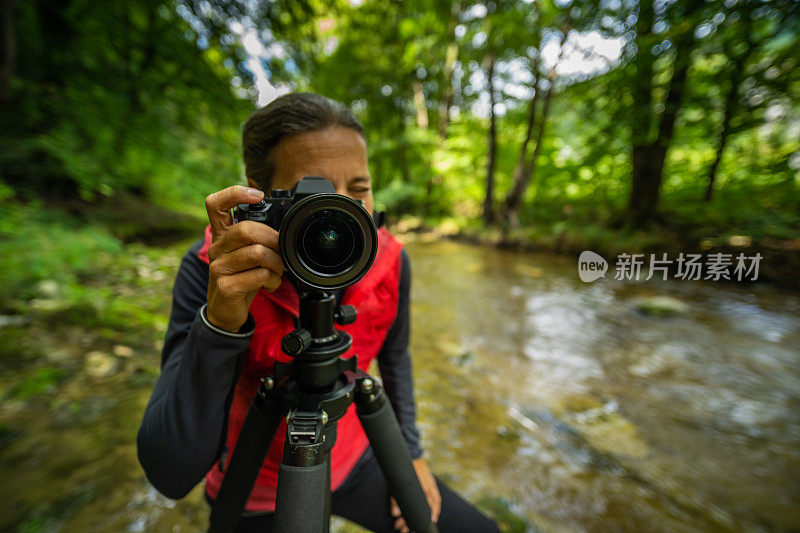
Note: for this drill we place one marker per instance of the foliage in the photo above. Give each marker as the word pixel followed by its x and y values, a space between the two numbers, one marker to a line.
pixel 52 247
pixel 136 96
pixel 145 99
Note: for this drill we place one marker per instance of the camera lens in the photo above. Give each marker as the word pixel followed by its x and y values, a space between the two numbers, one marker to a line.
pixel 329 243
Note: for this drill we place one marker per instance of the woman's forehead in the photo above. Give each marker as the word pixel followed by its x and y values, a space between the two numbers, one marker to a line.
pixel 335 153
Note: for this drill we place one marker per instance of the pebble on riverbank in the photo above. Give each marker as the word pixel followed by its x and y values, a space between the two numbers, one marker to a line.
pixel 100 364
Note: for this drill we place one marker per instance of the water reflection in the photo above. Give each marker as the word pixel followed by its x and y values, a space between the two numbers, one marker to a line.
pixel 590 415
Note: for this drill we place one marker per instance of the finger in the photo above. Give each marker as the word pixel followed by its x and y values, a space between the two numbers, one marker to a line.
pixel 248 281
pixel 243 234
pixel 435 502
pixel 220 203
pixel 436 509
pixel 400 525
pixel 394 509
pixel 246 258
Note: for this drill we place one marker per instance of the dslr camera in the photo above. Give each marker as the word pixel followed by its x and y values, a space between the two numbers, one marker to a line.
pixel 327 241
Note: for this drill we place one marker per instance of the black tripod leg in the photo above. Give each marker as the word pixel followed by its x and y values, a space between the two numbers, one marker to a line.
pixel 328 494
pixel 389 446
pixel 300 503
pixel 252 446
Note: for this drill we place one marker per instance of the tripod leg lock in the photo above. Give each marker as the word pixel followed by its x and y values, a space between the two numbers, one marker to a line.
pixel 305 438
pixel 369 395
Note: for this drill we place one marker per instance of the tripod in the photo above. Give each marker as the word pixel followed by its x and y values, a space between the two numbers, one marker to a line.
pixel 313 391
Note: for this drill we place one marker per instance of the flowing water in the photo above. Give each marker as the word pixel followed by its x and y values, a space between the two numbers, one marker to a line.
pixel 552 404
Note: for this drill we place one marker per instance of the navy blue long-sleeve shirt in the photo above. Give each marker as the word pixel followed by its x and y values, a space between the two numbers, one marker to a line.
pixel 183 429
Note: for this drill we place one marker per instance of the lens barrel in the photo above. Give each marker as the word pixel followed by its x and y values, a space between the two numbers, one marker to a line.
pixel 328 241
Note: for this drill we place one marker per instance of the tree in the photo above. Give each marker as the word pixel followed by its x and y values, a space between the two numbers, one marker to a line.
pixel 557 24
pixel 115 98
pixel 488 202
pixel 738 54
pixel 652 121
pixel 525 168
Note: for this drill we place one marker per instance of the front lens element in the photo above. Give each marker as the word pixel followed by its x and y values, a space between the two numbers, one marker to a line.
pixel 328 240
pixel 329 245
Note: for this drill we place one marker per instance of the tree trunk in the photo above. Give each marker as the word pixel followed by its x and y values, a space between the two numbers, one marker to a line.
pixel 648 162
pixel 401 149
pixel 520 169
pixel 731 102
pixel 488 202
pixel 513 201
pixel 9 49
pixel 539 139
pixel 647 158
pixel 451 56
pixel 447 91
pixel 419 103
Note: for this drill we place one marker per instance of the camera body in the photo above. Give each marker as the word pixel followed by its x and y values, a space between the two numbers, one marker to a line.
pixel 327 241
pixel 273 208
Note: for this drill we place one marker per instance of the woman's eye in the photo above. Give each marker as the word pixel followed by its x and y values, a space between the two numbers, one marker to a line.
pixel 360 190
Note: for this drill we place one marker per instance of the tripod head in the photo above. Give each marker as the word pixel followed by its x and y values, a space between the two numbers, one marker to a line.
pixel 316 344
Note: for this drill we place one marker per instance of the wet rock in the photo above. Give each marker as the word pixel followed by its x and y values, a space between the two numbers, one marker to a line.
pixel 456 353
pixel 509 434
pixel 60 355
pixel 48 305
pixel 659 306
pixel 578 403
pixel 608 431
pixel 664 360
pixel 465 358
pixel 12 320
pixel 100 364
pixel 528 270
pixel 48 289
pixel 122 351
pixel 742 241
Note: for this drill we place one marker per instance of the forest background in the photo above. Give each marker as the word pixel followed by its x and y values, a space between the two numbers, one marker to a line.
pixel 609 125
pixel 617 126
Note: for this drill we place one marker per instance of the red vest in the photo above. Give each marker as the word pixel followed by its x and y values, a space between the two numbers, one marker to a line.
pixel 375 297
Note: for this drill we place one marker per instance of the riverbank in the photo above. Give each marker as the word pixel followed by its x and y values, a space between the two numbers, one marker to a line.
pixel 80 348
pixel 779 264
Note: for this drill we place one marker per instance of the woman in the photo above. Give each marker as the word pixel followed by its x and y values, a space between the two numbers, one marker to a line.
pixel 231 306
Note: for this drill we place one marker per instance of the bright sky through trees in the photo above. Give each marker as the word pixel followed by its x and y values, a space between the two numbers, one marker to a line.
pixel 585 54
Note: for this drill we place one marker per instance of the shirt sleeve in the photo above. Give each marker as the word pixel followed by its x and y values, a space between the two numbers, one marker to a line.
pixel 394 362
pixel 183 427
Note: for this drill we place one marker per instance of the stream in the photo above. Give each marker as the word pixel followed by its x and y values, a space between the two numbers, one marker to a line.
pixel 552 404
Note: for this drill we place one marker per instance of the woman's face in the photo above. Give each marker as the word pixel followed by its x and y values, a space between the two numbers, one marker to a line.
pixel 337 153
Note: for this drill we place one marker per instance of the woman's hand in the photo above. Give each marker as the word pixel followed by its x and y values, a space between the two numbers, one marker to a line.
pixel 431 491
pixel 242 257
